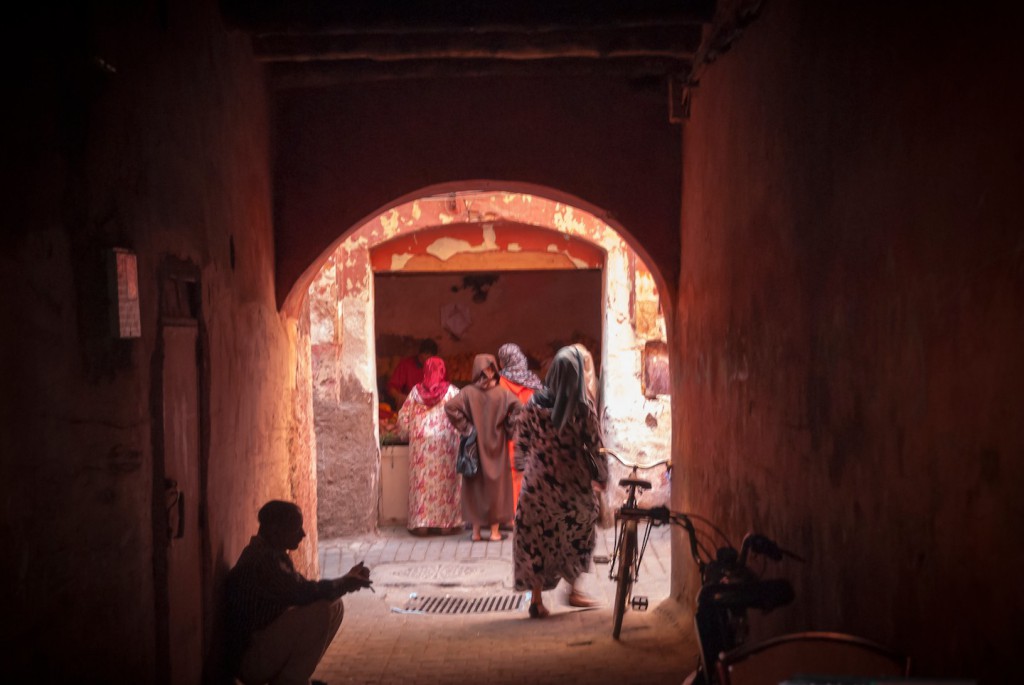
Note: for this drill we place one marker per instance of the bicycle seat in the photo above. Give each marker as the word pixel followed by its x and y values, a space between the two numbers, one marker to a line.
pixel 636 483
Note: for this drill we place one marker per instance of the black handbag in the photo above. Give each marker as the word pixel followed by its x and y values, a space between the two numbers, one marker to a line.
pixel 468 460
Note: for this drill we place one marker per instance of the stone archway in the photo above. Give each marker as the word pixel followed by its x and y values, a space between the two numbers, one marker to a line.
pixel 467 229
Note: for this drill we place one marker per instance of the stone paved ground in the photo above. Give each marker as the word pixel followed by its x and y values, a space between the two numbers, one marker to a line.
pixel 381 643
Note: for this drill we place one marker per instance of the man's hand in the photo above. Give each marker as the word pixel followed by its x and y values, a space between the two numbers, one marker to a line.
pixel 357 578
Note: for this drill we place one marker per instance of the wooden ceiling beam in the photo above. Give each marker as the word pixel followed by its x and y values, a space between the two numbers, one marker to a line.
pixel 290 75
pixel 670 41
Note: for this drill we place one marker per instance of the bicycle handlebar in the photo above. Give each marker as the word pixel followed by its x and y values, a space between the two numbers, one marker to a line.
pixel 760 544
pixel 660 515
pixel 728 559
pixel 633 465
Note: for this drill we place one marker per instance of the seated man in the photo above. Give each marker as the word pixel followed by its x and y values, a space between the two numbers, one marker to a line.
pixel 279 623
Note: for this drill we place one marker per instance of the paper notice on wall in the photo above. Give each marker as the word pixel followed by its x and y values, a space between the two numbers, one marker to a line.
pixel 127 323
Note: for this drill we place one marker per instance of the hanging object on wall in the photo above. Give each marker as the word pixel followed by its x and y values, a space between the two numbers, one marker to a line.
pixel 124 293
pixel 455 319
pixel 656 380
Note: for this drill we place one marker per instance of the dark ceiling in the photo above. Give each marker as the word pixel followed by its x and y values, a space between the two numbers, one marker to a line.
pixel 317 42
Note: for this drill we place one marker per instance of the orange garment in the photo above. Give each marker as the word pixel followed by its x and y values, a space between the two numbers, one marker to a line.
pixel 523 394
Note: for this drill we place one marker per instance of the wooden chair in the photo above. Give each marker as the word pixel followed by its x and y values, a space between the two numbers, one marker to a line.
pixel 811 653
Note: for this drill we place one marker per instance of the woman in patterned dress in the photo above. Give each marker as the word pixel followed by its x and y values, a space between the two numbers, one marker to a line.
pixel 435 488
pixel 557 442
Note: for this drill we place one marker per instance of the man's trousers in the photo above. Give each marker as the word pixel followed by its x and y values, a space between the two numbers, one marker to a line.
pixel 288 650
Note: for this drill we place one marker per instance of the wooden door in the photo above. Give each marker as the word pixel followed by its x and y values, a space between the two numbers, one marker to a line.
pixel 182 492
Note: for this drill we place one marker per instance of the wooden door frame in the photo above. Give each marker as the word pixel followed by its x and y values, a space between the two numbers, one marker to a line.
pixel 181 276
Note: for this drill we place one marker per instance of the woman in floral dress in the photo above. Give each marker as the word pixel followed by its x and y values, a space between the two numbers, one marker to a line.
pixel 558 439
pixel 435 488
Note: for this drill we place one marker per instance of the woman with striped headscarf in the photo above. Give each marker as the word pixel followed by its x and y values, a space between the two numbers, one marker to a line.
pixel 517 377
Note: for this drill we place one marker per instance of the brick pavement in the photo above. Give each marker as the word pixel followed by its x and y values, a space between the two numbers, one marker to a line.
pixel 379 643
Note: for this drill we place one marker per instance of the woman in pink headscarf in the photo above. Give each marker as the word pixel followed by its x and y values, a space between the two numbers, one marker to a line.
pixel 435 488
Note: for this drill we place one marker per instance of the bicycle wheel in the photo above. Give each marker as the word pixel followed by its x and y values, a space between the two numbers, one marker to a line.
pixel 624 583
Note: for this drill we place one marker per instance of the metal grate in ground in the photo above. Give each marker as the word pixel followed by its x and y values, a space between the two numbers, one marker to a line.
pixel 432 604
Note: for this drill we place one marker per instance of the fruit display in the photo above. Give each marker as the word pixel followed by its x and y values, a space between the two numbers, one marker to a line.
pixel 388 424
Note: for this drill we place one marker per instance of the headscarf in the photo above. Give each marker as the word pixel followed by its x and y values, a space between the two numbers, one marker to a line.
pixel 434 384
pixel 589 373
pixel 514 368
pixel 480 379
pixel 564 388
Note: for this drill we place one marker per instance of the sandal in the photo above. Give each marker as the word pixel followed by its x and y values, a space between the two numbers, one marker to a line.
pixel 578 599
pixel 498 539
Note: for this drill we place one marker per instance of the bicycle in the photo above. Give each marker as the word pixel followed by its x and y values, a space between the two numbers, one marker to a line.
pixel 628 553
pixel 729 587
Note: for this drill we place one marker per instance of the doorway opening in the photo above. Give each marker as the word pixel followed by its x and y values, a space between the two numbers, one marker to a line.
pixel 467 313
pixel 471 270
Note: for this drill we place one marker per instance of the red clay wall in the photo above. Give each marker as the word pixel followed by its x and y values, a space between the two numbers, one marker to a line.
pixel 344 155
pixel 169 157
pixel 849 328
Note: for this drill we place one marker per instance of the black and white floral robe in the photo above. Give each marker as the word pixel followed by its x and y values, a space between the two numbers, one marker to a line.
pixel 558 508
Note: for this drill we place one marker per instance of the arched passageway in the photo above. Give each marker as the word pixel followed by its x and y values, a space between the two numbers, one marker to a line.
pixel 453 264
pixel 516 267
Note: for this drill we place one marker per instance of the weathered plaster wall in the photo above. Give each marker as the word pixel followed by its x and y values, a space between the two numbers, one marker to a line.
pixel 847 375
pixel 301 438
pixel 636 427
pixel 166 156
pixel 481 223
pixel 345 393
pixel 469 247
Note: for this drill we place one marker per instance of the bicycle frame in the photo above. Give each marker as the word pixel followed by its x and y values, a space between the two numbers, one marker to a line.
pixel 628 551
pixel 728 589
pixel 623 516
pixel 626 556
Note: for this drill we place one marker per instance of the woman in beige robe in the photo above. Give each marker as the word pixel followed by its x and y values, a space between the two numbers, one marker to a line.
pixel 490 409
